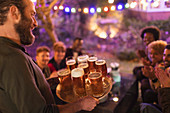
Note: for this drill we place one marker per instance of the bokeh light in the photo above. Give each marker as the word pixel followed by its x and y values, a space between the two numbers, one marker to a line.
pixel 110 1
pixel 73 10
pixel 92 10
pixel 127 5
pixel 106 9
pixel 55 8
pixel 61 7
pixel 119 6
pixel 99 10
pixel 67 9
pixel 86 10
pixel 113 8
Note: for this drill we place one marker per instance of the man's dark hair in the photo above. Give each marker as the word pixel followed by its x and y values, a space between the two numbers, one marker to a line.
pixel 6 4
pixel 167 46
pixel 151 29
pixel 41 49
pixel 77 38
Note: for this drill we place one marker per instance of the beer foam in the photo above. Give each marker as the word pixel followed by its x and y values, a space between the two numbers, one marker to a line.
pixel 77 72
pixel 94 75
pixel 82 58
pixel 92 59
pixel 83 65
pixel 63 72
pixel 100 62
pixel 71 62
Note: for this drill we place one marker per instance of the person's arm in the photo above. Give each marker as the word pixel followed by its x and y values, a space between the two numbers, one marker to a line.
pixel 87 103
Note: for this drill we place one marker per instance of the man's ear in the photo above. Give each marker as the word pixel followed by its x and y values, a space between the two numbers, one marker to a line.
pixel 16 15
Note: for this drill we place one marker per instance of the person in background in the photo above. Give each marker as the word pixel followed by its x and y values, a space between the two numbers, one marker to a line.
pixel 42 59
pixel 23 87
pixel 148 35
pixel 150 95
pixel 163 75
pixel 58 61
pixel 76 49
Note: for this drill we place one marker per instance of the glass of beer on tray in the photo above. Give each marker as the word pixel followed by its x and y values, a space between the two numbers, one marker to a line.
pixel 78 81
pixel 96 84
pixel 91 61
pixel 64 76
pixel 85 67
pixel 101 67
pixel 82 59
pixel 71 63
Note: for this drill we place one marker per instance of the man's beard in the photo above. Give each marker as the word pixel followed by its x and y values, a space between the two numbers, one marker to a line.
pixel 167 64
pixel 23 29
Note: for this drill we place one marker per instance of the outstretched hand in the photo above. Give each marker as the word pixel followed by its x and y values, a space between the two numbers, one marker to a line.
pixel 88 103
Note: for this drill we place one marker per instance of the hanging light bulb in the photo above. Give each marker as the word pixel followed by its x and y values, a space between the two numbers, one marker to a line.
pixel 110 1
pixel 106 9
pixel 86 10
pixel 73 10
pixel 99 10
pixel 55 8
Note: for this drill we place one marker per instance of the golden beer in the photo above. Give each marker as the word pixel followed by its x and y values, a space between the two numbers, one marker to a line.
pixel 71 64
pixel 96 84
pixel 91 62
pixel 85 67
pixel 78 81
pixel 64 76
pixel 101 67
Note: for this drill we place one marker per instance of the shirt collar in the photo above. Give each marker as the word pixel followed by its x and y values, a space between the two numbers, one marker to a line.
pixel 11 43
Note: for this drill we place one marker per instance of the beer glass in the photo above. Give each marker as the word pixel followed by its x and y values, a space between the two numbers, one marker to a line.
pixel 82 59
pixel 101 67
pixel 91 62
pixel 85 67
pixel 64 76
pixel 71 63
pixel 78 81
pixel 96 84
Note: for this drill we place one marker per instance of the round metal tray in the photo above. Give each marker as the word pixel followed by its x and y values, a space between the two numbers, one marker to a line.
pixel 70 96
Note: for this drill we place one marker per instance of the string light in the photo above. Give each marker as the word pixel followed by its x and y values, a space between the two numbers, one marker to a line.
pixel 86 10
pixel 110 1
pixel 120 7
pixel 99 10
pixel 79 9
pixel 113 8
pixel 73 10
pixel 67 9
pixel 92 10
pixel 106 9
pixel 55 8
pixel 61 7
pixel 127 5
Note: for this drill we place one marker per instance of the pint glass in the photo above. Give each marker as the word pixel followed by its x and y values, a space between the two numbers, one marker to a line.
pixel 91 62
pixel 64 76
pixel 78 81
pixel 85 67
pixel 71 63
pixel 101 67
pixel 96 84
pixel 82 59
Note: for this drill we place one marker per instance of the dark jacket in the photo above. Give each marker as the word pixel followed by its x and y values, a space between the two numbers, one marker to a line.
pixel 164 99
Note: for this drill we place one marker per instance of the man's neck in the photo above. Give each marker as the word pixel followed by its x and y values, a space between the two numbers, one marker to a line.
pixel 9 33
